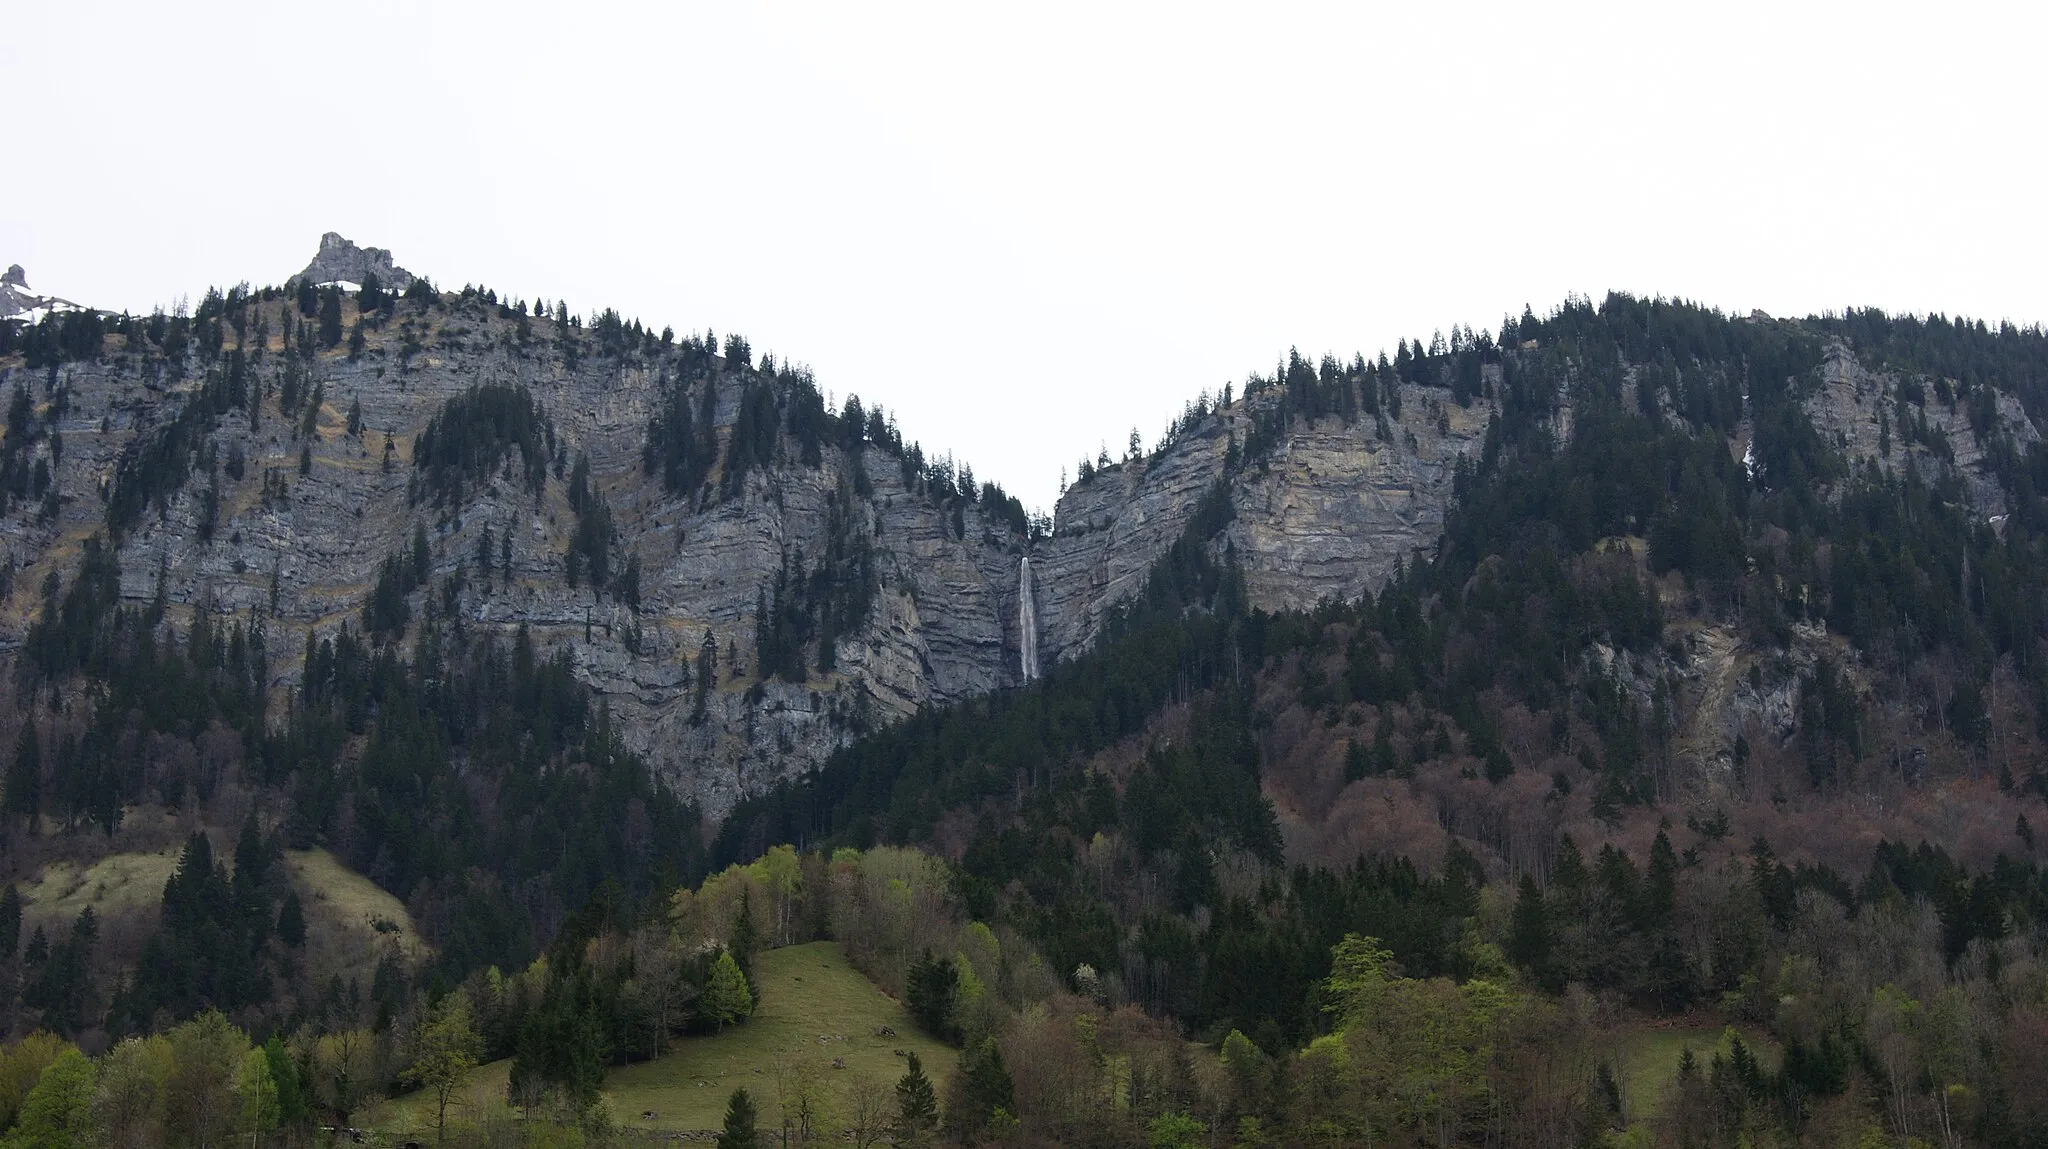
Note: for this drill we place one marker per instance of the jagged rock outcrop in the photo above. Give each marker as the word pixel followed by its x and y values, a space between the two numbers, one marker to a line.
pixel 340 261
pixel 18 302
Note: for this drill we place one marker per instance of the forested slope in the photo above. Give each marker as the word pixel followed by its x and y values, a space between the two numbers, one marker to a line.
pixel 1721 697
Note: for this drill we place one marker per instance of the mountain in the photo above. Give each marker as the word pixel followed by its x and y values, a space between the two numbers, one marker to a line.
pixel 1635 661
pixel 306 511
pixel 844 579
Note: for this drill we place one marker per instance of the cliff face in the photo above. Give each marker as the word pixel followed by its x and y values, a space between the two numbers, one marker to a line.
pixel 304 512
pixel 1328 514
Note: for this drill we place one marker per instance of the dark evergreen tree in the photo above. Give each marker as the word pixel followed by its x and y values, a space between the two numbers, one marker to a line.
pixel 932 987
pixel 917 1103
pixel 739 1131
pixel 10 923
pixel 1529 932
pixel 25 777
pixel 330 316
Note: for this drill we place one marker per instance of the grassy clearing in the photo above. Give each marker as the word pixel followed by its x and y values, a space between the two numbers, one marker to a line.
pixel 815 1008
pixel 1650 1057
pixel 117 887
pixel 348 917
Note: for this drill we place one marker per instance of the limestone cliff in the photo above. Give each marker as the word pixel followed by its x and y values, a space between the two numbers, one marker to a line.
pixel 289 515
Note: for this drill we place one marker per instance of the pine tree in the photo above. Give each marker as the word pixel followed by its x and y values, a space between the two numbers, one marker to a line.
pixel 10 923
pixel 917 1104
pixel 932 986
pixel 291 922
pixel 727 1000
pixel 745 937
pixel 1529 931
pixel 990 1091
pixel 422 557
pixel 739 1131
pixel 330 317
pixel 25 777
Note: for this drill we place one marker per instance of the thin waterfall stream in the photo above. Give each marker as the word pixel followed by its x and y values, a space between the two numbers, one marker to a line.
pixel 1027 623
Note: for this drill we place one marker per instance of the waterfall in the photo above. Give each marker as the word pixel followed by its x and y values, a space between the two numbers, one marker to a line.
pixel 1027 624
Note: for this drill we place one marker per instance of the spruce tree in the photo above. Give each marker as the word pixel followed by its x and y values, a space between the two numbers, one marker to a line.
pixel 291 922
pixel 330 317
pixel 739 1131
pixel 25 777
pixel 745 937
pixel 1529 931
pixel 10 923
pixel 727 1000
pixel 932 987
pixel 989 1088
pixel 917 1104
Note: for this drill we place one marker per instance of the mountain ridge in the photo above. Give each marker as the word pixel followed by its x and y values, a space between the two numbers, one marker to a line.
pixel 1334 506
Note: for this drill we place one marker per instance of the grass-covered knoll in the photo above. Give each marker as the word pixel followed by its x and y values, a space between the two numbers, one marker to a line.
pixel 1650 1059
pixel 348 916
pixel 815 1010
pixel 115 886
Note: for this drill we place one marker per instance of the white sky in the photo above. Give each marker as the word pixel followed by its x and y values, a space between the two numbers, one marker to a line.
pixel 1027 228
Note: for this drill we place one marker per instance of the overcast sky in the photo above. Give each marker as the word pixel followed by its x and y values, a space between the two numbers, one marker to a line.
pixel 1029 228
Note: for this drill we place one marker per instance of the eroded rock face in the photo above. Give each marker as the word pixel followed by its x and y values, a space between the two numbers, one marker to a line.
pixel 340 260
pixel 1863 414
pixel 942 625
pixel 1327 512
pixel 1327 515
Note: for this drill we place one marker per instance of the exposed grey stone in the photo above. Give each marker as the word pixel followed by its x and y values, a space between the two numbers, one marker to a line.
pixel 340 260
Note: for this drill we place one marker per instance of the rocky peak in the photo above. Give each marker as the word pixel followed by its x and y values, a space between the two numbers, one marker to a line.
pixel 340 260
pixel 18 302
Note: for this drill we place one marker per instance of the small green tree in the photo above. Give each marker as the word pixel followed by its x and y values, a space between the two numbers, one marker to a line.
pixel 1358 978
pixel 1177 1131
pixel 727 1000
pixel 917 1104
pixel 292 1107
pixel 57 1113
pixel 448 1049
pixel 985 1089
pixel 739 1131
pixel 256 1092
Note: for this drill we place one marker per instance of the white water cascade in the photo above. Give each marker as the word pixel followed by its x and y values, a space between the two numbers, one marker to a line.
pixel 1027 624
